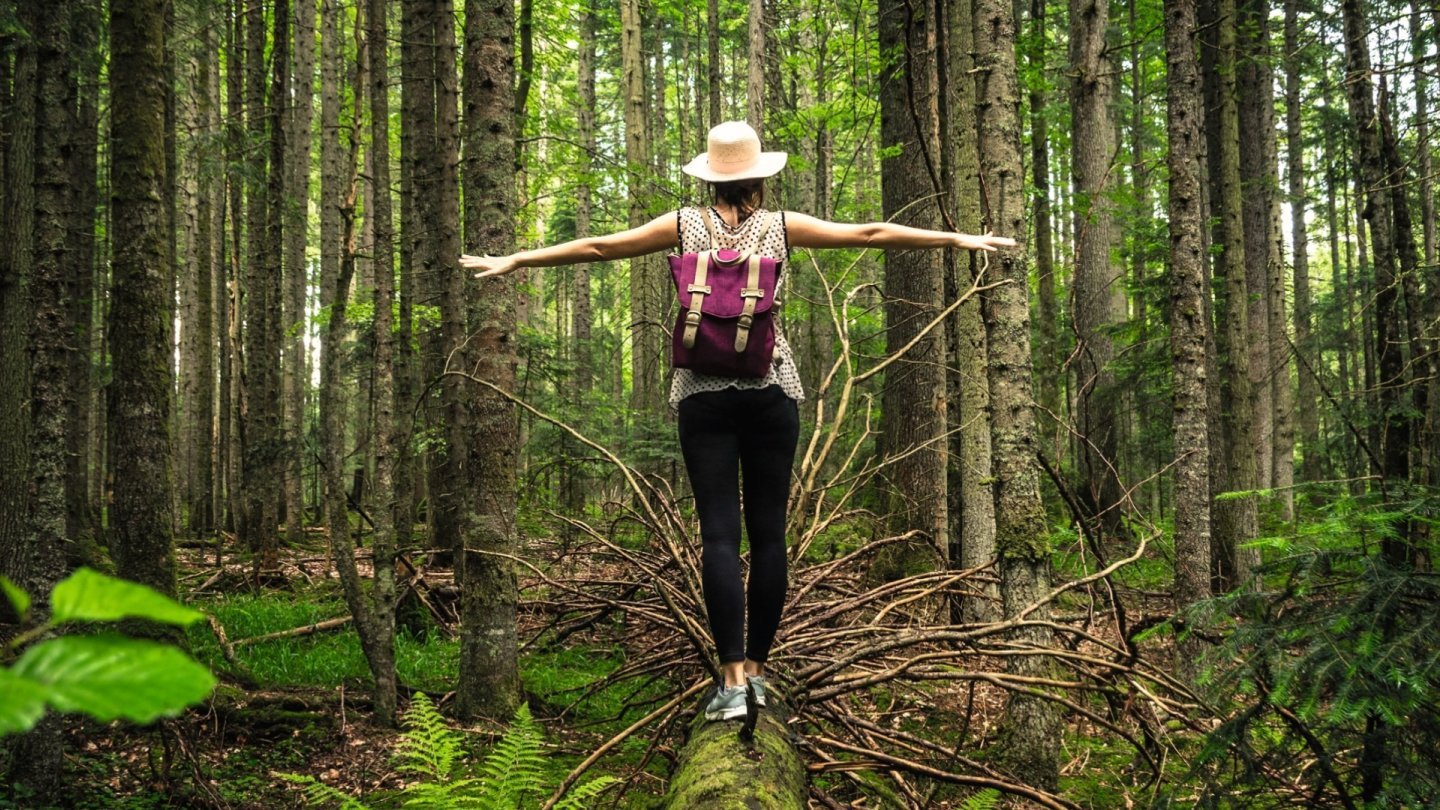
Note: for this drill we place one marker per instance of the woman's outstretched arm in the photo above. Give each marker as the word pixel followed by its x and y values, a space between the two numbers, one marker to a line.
pixel 808 232
pixel 655 235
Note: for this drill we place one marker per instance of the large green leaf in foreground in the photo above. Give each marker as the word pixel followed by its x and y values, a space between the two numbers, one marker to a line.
pixel 22 702
pixel 110 677
pixel 90 596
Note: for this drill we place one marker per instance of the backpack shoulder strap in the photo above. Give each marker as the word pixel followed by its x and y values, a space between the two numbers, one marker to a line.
pixel 709 227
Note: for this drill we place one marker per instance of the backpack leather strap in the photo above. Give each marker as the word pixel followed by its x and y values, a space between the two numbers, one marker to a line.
pixel 698 290
pixel 710 227
pixel 751 292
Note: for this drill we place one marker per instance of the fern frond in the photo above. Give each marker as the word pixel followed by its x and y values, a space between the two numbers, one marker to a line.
pixel 319 794
pixel 985 799
pixel 514 770
pixel 577 797
pixel 456 793
pixel 429 747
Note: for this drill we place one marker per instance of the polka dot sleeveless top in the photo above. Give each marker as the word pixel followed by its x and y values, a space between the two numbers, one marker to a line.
pixel 695 239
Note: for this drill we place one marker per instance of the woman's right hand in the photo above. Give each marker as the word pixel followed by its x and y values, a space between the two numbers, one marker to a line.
pixel 489 265
pixel 986 241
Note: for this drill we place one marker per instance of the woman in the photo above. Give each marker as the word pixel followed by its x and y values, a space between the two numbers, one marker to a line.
pixel 730 424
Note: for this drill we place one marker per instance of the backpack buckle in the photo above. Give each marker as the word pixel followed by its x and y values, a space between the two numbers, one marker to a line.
pixel 692 317
pixel 746 319
pixel 700 288
pixel 752 292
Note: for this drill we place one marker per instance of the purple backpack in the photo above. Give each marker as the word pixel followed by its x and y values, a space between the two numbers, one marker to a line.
pixel 725 326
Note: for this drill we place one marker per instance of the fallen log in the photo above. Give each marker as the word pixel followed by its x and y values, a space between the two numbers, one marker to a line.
pixel 718 770
pixel 304 630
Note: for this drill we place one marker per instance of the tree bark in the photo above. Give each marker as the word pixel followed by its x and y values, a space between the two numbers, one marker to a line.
pixel 581 315
pixel 1307 401
pixel 1235 520
pixel 645 301
pixel 913 402
pixel 296 268
pixel 489 676
pixel 1377 211
pixel 38 561
pixel 1032 724
pixel 712 60
pixel 79 520
pixel 1099 298
pixel 1424 169
pixel 1257 187
pixel 260 397
pixel 755 65
pixel 1048 350
pixel 1188 324
pixel 16 558
pixel 140 527
pixel 971 502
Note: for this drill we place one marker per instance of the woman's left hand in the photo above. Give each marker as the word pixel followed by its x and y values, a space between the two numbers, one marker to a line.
pixel 965 241
pixel 488 265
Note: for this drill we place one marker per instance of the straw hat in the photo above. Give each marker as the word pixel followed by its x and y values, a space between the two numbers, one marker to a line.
pixel 734 154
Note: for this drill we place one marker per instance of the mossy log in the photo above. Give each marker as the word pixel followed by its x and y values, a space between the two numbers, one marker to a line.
pixel 717 771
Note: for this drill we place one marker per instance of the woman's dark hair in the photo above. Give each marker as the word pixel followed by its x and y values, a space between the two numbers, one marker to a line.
pixel 746 196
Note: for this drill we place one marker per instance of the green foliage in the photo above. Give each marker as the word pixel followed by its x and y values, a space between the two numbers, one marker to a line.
pixel 106 676
pixel 90 596
pixel 510 777
pixel 1338 655
pixel 986 799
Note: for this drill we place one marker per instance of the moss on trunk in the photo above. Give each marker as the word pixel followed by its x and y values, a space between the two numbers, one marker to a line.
pixel 717 770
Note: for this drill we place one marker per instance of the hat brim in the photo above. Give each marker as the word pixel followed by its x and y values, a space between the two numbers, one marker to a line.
pixel 768 164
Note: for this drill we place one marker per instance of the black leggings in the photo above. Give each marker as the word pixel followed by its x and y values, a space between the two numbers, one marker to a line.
pixel 721 433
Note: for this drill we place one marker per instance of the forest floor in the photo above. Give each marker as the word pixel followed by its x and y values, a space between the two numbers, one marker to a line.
pixel 299 704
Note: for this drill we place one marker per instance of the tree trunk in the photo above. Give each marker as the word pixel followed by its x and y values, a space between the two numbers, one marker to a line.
pixel 1378 212
pixel 1307 402
pixel 1188 324
pixel 38 561
pixel 231 349
pixel 717 771
pixel 140 523
pixel 374 613
pixel 1424 169
pixel 1098 287
pixel 712 60
pixel 260 397
pixel 489 677
pixel 16 554
pixel 913 402
pixel 1032 724
pixel 1257 186
pixel 79 520
pixel 1234 519
pixel 971 502
pixel 755 64
pixel 1048 350
pixel 297 218
pixel 581 314
pixel 645 302
pixel 201 436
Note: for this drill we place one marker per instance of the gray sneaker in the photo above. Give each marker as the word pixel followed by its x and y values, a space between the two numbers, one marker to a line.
pixel 757 682
pixel 726 703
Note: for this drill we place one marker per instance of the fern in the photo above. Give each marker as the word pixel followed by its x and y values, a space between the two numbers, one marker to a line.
pixel 319 794
pixel 429 747
pixel 510 778
pixel 514 771
pixel 986 799
pixel 577 798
